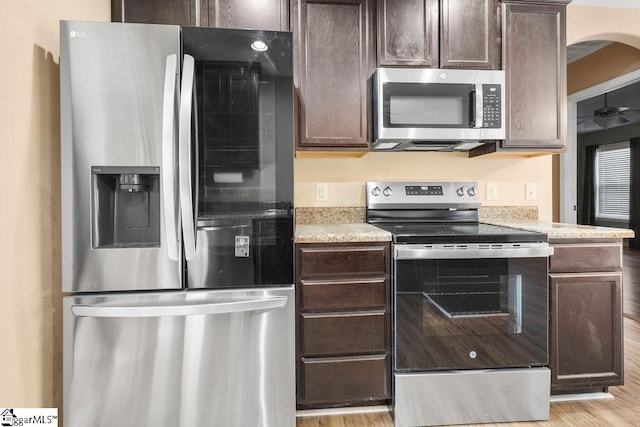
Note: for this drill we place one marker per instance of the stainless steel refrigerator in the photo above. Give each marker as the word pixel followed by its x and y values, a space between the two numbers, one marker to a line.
pixel 177 226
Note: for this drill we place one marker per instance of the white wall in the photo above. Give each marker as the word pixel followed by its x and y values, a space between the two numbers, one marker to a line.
pixel 30 318
pixel 346 176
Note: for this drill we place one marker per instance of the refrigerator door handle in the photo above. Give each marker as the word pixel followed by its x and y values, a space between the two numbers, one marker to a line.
pixel 168 153
pixel 135 311
pixel 184 138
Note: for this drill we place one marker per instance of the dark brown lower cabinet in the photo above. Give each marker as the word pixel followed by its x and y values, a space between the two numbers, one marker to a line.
pixel 341 381
pixel 343 324
pixel 586 339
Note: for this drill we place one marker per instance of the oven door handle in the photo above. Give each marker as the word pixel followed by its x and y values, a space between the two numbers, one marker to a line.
pixel 401 253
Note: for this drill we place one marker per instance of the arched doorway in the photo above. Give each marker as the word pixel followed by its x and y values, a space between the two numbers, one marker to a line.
pixel 590 20
pixel 612 67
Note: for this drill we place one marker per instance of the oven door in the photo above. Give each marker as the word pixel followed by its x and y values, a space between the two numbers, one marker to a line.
pixel 471 306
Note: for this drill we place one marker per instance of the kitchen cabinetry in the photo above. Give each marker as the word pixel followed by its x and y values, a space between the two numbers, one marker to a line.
pixel 585 351
pixel 470 34
pixel 534 59
pixel 439 34
pixel 343 324
pixel 248 14
pixel 334 60
pixel 408 33
pixel 177 12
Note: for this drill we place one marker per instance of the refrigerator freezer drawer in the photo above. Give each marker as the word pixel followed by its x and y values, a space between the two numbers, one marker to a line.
pixel 190 358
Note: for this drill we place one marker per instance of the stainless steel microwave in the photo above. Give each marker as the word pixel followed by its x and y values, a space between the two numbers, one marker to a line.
pixel 421 109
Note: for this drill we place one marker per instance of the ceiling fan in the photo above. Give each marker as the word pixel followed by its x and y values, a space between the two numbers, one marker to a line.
pixel 606 116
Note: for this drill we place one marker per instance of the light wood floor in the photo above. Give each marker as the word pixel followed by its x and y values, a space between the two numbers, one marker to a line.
pixel 623 410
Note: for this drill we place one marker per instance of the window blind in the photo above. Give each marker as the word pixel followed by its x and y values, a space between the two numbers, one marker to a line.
pixel 612 183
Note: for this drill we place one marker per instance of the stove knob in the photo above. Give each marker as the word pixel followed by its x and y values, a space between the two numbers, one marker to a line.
pixel 460 191
pixel 471 191
pixel 387 191
pixel 375 192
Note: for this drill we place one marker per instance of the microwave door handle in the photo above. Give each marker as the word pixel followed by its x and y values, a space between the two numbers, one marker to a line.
pixel 184 149
pixel 168 155
pixel 478 106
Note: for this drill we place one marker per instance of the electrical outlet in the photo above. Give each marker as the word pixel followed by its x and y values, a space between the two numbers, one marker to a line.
pixel 322 192
pixel 492 191
pixel 530 191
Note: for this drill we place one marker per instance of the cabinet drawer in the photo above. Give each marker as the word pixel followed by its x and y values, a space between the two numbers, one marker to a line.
pixel 343 333
pixel 343 294
pixel 345 379
pixel 354 261
pixel 585 257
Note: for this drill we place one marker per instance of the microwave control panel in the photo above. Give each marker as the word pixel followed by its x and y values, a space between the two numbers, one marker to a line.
pixel 492 106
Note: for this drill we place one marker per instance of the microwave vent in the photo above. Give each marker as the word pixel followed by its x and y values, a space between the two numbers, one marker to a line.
pixel 465 146
pixel 428 147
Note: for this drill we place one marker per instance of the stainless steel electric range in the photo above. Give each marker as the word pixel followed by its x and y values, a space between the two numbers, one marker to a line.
pixel 470 308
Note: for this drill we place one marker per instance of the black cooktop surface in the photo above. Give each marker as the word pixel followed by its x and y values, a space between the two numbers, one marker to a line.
pixel 458 233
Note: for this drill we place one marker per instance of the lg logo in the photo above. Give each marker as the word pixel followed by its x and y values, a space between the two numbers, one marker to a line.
pixel 80 34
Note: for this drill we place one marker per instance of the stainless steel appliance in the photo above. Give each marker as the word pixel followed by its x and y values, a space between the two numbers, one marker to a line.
pixel 420 109
pixel 470 308
pixel 177 230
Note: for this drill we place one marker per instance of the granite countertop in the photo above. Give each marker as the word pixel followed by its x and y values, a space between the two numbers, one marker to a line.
pixel 556 230
pixel 346 224
pixel 340 233
pixel 363 232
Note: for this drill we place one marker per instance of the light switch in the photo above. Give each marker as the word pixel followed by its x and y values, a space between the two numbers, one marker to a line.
pixel 530 191
pixel 492 191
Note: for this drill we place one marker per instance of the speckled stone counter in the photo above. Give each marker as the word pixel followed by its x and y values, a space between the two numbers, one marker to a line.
pixel 557 230
pixel 329 215
pixel 511 213
pixel 340 233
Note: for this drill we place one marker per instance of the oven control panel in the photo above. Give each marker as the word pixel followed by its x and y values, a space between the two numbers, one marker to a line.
pixel 408 195
pixel 423 190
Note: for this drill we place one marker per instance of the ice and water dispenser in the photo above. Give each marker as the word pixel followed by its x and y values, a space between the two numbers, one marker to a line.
pixel 125 207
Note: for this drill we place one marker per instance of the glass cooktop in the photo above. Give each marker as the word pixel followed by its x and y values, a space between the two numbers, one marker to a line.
pixel 459 232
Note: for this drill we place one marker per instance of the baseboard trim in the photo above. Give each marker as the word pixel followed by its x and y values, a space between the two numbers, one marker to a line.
pixel 341 411
pixel 559 398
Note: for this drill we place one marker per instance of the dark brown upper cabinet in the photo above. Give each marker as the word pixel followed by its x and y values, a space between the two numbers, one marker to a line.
pixel 439 33
pixel 408 33
pixel 243 14
pixel 177 12
pixel 249 14
pixel 534 58
pixel 334 59
pixel 470 34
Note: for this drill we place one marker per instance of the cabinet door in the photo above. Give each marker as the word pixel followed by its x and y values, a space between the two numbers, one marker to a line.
pixel 249 14
pixel 534 58
pixel 408 32
pixel 335 58
pixel 585 349
pixel 470 34
pixel 176 12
